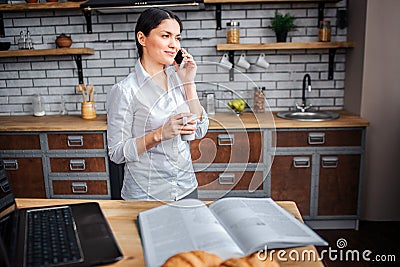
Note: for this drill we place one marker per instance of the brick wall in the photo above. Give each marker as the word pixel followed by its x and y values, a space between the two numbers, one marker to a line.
pixel 55 77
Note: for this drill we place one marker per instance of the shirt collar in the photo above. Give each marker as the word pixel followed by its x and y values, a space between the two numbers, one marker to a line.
pixel 142 75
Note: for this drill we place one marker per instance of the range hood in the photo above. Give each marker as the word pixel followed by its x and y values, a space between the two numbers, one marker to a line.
pixel 122 6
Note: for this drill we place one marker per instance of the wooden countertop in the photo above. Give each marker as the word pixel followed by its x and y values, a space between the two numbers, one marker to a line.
pixel 222 120
pixel 122 217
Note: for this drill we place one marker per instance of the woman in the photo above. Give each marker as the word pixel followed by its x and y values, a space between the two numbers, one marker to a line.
pixel 148 111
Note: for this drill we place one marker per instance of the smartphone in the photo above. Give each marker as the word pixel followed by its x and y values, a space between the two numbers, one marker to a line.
pixel 179 57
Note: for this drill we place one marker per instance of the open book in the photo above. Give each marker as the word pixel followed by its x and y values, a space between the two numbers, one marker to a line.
pixel 229 227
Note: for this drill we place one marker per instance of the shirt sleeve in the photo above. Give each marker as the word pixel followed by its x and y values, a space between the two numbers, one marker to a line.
pixel 121 144
pixel 202 125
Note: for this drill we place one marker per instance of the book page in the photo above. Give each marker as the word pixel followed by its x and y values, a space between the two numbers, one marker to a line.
pixel 183 226
pixel 258 222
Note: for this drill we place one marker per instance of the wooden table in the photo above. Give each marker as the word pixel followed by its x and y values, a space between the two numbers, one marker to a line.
pixel 122 214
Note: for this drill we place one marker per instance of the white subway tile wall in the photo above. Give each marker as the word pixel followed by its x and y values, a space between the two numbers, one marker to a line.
pixel 55 77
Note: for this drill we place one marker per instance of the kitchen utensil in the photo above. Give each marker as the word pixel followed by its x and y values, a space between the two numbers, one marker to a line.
pixel 242 62
pixel 261 62
pixel 81 88
pixel 88 110
pixel 225 63
pixel 90 92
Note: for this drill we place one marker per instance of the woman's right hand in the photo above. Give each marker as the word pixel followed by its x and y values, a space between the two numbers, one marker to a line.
pixel 174 126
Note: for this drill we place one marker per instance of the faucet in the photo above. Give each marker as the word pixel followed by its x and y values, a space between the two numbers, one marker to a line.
pixel 304 107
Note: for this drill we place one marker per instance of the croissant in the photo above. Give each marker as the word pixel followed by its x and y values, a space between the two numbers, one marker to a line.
pixel 249 261
pixel 196 258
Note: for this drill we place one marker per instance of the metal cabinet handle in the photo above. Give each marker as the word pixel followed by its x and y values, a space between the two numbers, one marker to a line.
pixel 330 162
pixel 75 140
pixel 226 140
pixel 79 187
pixel 77 165
pixel 10 164
pixel 226 178
pixel 316 138
pixel 301 162
pixel 5 186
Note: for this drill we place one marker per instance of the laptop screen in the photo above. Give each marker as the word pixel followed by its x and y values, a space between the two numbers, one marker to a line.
pixel 7 206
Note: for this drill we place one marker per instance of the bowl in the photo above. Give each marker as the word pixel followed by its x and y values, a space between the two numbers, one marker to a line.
pixel 5 46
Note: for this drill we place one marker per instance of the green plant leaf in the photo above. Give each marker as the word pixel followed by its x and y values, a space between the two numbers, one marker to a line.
pixel 282 23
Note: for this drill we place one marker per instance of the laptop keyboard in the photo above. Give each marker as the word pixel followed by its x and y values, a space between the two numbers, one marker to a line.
pixel 51 238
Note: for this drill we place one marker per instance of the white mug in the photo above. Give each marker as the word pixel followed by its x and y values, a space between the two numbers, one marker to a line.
pixel 225 63
pixel 261 62
pixel 185 120
pixel 242 62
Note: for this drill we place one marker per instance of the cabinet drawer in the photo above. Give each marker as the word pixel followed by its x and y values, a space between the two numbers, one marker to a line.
pixel 26 177
pixel 19 142
pixel 230 180
pixel 79 187
pixel 232 147
pixel 75 141
pixel 78 164
pixel 319 138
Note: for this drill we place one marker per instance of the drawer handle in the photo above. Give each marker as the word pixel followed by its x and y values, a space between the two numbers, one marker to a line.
pixel 5 186
pixel 79 187
pixel 75 140
pixel 316 138
pixel 301 162
pixel 226 178
pixel 226 140
pixel 330 162
pixel 77 165
pixel 11 165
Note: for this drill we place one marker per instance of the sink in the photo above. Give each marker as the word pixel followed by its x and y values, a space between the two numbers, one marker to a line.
pixel 308 115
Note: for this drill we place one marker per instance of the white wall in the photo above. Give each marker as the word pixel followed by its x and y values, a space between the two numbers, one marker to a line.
pixel 380 105
pixel 113 40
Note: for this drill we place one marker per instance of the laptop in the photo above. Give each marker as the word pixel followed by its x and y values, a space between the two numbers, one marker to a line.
pixel 76 234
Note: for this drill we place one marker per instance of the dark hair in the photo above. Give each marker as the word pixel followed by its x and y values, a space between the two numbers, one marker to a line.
pixel 150 19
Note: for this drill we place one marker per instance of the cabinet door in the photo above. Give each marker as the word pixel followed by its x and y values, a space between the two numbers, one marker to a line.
pixel 26 177
pixel 338 184
pixel 228 147
pixel 291 180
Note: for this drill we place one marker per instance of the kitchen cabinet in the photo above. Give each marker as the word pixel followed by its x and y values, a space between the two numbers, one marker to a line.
pixel 23 161
pixel 319 169
pixel 77 165
pixel 230 163
pixel 338 185
pixel 57 164
pixel 291 180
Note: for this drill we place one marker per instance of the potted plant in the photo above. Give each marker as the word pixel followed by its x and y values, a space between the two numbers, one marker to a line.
pixel 281 25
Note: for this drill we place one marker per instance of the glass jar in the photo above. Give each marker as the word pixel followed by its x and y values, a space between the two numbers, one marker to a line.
pixel 259 100
pixel 233 32
pixel 38 106
pixel 324 34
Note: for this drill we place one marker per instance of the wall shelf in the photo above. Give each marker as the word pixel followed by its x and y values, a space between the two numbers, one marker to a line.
pixel 47 52
pixel 75 52
pixel 39 6
pixel 332 46
pixel 34 7
pixel 285 46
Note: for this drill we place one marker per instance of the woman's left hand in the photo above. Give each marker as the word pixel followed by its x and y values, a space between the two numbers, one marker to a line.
pixel 188 72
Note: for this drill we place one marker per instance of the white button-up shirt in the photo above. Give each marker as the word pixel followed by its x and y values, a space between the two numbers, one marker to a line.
pixel 136 106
